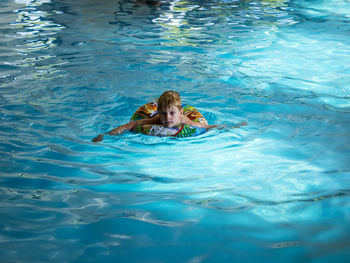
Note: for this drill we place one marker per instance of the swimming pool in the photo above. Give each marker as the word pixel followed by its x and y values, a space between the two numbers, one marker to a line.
pixel 276 189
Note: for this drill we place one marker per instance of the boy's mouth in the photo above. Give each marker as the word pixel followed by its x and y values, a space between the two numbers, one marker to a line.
pixel 169 123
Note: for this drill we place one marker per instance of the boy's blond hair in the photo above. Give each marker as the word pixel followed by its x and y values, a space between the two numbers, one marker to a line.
pixel 168 99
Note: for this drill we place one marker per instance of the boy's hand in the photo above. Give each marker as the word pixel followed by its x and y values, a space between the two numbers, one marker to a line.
pixel 230 126
pixel 98 138
pixel 240 124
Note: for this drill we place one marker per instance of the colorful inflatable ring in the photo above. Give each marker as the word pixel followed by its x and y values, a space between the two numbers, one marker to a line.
pixel 182 130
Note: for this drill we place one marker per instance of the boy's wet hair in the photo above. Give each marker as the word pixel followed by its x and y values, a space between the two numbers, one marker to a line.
pixel 168 99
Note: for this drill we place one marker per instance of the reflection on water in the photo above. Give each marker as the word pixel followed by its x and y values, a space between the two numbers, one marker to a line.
pixel 34 33
pixel 33 26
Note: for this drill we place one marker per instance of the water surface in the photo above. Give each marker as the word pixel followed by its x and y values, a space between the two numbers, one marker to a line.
pixel 277 189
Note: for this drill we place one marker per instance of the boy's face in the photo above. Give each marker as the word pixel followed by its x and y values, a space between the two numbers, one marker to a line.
pixel 171 116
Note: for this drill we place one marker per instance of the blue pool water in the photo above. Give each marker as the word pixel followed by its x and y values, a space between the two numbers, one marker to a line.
pixel 276 190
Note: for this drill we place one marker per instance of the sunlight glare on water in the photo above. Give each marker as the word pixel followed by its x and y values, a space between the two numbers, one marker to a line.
pixel 276 189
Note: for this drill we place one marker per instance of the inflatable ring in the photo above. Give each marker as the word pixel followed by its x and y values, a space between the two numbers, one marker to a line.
pixel 150 109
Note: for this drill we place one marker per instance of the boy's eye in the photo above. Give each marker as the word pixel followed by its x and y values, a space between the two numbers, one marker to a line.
pixel 165 113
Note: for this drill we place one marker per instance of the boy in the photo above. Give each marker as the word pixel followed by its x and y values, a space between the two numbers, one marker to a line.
pixel 170 114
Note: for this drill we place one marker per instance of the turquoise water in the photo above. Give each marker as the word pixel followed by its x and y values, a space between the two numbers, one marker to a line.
pixel 276 189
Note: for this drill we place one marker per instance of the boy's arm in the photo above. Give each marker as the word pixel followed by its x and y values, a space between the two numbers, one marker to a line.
pixel 128 126
pixel 187 121
pixel 203 125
